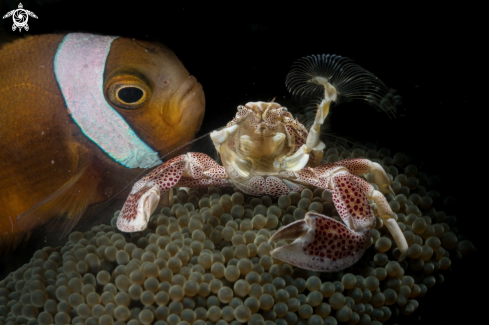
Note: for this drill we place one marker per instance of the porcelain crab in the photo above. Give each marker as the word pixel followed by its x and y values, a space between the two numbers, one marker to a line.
pixel 265 151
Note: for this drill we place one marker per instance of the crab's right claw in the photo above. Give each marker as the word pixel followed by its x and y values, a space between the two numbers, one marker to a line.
pixel 138 208
pixel 145 194
pixel 320 244
pixel 198 170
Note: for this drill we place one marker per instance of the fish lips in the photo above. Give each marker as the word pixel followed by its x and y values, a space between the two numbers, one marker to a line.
pixel 187 105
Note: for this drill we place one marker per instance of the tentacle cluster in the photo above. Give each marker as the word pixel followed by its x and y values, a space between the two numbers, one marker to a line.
pixel 310 74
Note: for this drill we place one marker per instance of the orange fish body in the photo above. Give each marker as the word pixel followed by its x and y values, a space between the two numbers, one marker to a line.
pixel 80 115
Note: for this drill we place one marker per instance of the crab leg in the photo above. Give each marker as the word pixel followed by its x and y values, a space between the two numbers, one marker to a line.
pixel 359 166
pixel 386 214
pixel 324 244
pixel 190 170
pixel 355 166
pixel 384 209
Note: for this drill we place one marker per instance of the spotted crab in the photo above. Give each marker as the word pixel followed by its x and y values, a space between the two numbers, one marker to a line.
pixel 265 151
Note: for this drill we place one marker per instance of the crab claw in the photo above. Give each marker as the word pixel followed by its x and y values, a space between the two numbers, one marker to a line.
pixel 192 170
pixel 145 194
pixel 320 243
pixel 145 202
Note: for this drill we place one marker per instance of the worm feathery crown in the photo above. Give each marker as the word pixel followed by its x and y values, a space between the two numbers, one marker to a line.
pixel 311 74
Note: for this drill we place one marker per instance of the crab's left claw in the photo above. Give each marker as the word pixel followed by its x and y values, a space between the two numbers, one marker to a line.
pixel 320 244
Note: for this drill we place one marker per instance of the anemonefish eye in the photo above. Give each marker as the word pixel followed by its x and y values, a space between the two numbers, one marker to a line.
pixel 128 92
pixel 130 95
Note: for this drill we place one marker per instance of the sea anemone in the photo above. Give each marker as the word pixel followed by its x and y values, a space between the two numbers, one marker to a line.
pixel 205 259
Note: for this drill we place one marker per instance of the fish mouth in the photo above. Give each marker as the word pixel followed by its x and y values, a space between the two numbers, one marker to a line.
pixel 187 104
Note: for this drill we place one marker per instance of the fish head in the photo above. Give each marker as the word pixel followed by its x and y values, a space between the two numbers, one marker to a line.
pixel 150 88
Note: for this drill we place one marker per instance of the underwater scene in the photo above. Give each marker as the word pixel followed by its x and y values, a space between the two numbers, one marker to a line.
pixel 240 163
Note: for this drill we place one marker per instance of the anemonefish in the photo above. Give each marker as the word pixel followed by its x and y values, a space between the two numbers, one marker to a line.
pixel 80 116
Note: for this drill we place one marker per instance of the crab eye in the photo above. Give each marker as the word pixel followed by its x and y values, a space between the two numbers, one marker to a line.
pixel 128 91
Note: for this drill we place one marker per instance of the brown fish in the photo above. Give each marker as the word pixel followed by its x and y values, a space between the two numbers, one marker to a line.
pixel 80 115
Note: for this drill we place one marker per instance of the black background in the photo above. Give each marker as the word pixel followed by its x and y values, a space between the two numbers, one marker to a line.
pixel 430 53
